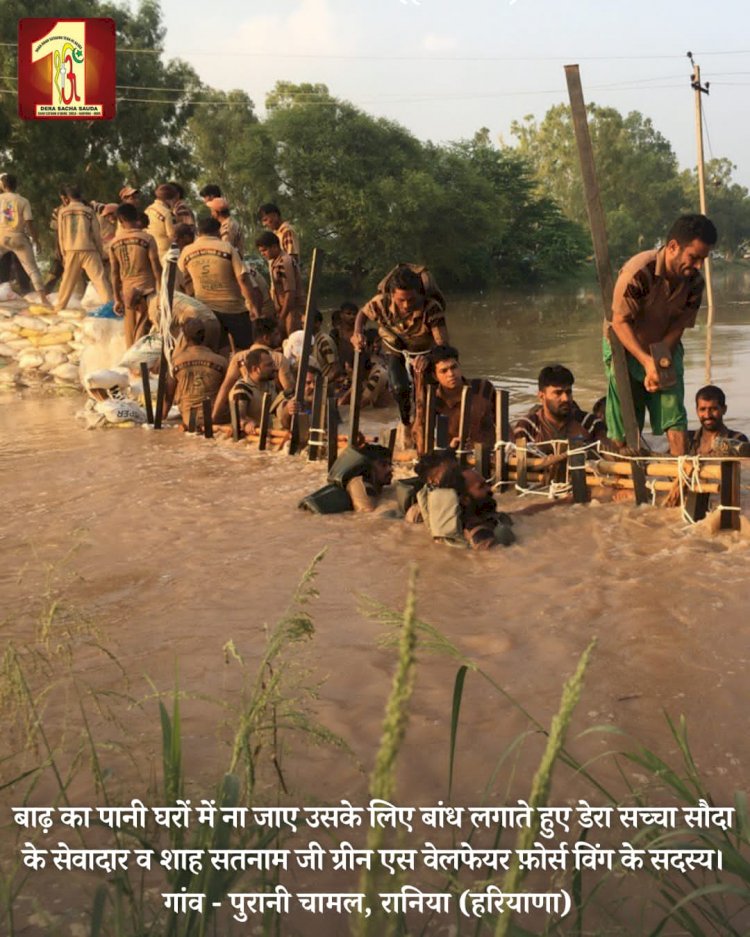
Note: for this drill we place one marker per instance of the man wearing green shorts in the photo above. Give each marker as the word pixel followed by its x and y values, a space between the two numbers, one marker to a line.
pixel 656 297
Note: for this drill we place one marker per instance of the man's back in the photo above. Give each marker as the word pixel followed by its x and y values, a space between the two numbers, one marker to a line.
pixel 214 266
pixel 15 211
pixel 77 228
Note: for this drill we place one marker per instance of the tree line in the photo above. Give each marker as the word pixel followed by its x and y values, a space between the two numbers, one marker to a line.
pixel 362 188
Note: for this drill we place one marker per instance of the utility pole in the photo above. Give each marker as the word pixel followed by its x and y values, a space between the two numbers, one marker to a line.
pixel 695 82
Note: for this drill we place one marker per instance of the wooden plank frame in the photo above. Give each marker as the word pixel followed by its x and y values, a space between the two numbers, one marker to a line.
pixel 441 432
pixel 332 431
pixel 464 424
pixel 208 423
pixel 428 443
pixel 729 493
pixel 148 403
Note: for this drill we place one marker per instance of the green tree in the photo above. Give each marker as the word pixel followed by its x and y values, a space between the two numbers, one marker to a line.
pixel 637 171
pixel 232 148
pixel 727 203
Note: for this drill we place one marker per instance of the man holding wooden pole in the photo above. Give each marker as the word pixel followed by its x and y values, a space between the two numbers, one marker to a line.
pixel 656 297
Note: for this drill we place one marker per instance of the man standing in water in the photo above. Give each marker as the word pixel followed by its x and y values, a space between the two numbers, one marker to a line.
pixel 17 232
pixel 556 416
pixel 656 297
pixel 410 323
pixel 714 437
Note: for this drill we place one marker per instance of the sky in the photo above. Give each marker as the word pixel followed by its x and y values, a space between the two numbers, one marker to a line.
pixel 445 68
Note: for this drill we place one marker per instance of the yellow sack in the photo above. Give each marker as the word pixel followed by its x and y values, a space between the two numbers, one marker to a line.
pixel 52 338
pixel 38 311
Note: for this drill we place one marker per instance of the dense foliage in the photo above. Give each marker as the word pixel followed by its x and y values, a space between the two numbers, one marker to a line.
pixel 362 188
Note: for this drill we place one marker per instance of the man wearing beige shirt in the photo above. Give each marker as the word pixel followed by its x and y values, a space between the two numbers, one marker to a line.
pixel 80 240
pixel 17 233
pixel 656 297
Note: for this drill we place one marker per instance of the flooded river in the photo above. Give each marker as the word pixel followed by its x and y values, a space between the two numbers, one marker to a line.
pixel 171 547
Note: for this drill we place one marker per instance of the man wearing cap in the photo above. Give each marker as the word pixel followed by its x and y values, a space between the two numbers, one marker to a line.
pixel 286 282
pixel 17 233
pixel 135 271
pixel 230 230
pixel 197 373
pixel 270 218
pixel 129 194
pixel 214 273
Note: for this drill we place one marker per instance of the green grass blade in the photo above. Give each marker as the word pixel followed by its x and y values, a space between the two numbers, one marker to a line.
pixel 458 691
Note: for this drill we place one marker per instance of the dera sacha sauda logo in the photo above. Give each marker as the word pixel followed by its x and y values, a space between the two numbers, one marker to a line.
pixel 66 69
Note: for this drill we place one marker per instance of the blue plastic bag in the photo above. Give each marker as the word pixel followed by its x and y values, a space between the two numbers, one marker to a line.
pixel 107 311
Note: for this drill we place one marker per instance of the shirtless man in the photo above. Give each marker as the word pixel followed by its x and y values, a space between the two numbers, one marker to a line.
pixel 287 291
pixel 714 437
pixel 197 373
pixel 134 266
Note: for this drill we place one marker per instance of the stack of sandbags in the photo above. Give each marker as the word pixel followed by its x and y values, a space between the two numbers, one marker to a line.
pixel 38 345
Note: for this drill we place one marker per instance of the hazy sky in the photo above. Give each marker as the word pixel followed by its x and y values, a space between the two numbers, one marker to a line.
pixel 444 69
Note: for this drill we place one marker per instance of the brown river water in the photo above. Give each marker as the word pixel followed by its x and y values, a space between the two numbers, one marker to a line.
pixel 172 546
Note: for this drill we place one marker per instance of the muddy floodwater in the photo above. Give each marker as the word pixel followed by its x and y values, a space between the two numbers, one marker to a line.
pixel 168 547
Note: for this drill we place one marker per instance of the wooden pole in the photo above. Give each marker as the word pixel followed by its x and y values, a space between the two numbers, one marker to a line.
pixel 428 443
pixel 355 400
pixel 441 432
pixel 521 479
pixel 603 269
pixel 234 414
pixel 307 340
pixel 464 423
pixel 332 425
pixel 146 381
pixel 482 461
pixel 577 476
pixel 316 419
pixel 699 90
pixel 208 425
pixel 730 495
pixel 161 387
pixel 192 419
pixel 502 433
pixel 265 420
pixel 392 440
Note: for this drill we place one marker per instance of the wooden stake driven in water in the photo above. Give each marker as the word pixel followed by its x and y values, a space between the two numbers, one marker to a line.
pixel 604 271
pixel 208 423
pixel 355 404
pixel 234 415
pixel 442 439
pixel 314 444
pixel 307 343
pixel 464 424
pixel 161 387
pixel 265 420
pixel 146 381
pixel 192 419
pixel 502 434
pixel 428 442
pixel 332 428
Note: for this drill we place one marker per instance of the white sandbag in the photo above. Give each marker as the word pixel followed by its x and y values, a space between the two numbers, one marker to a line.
pixel 30 323
pixel 71 315
pixel 106 379
pixel 18 344
pixel 6 351
pixel 146 349
pixel 6 293
pixel 121 411
pixel 51 338
pixel 103 344
pixel 53 357
pixel 9 376
pixel 30 360
pixel 7 335
pixel 67 373
pixel 91 298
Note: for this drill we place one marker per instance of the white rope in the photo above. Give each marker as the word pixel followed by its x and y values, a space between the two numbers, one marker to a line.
pixel 165 308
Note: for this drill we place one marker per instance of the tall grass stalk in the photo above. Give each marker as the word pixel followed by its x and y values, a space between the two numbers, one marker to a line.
pixel 543 777
pixel 383 777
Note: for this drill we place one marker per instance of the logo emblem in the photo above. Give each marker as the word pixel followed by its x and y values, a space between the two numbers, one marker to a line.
pixel 66 69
